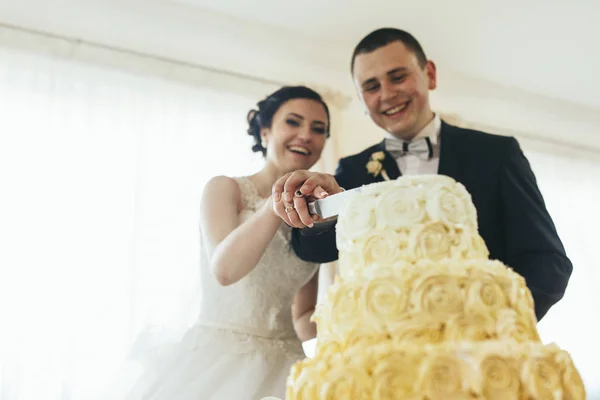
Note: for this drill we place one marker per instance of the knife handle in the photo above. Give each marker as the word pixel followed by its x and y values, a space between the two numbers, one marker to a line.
pixel 312 208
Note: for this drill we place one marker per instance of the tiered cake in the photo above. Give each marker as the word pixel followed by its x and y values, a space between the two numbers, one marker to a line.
pixel 420 312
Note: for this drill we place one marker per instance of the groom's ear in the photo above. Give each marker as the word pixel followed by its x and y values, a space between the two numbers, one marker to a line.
pixel 431 71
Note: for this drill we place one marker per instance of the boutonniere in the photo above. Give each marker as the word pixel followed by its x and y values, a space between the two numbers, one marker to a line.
pixel 374 166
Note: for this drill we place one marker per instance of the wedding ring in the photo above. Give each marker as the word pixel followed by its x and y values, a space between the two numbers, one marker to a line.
pixel 289 209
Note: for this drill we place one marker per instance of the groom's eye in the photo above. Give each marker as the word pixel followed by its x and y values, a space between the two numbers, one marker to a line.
pixel 371 88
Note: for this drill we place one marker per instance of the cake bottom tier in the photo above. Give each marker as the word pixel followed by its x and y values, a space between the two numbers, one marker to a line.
pixel 460 370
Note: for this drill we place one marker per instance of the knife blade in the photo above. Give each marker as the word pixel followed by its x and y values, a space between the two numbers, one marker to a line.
pixel 330 206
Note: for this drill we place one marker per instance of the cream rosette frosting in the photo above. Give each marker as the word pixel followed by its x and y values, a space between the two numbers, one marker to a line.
pixel 347 382
pixel 437 241
pixel 418 329
pixel 382 247
pixel 438 301
pixel 571 380
pixel 431 219
pixel 338 315
pixel 445 375
pixel 400 208
pixel 429 301
pixel 394 375
pixel 490 370
pixel 381 300
pixel 406 203
pixel 500 376
pixel 450 203
pixel 357 219
pixel 541 375
pixel 419 312
pixel 517 326
pixel 486 291
pixel 432 241
pixel 473 326
pixel 438 293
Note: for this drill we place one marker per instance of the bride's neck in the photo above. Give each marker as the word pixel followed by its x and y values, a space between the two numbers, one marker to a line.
pixel 265 178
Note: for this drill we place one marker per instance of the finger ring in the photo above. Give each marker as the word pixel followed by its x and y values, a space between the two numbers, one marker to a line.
pixel 289 209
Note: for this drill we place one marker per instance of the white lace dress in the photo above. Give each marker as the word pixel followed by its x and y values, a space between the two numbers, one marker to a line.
pixel 244 343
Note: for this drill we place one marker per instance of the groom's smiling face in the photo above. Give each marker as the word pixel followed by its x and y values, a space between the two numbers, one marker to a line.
pixel 394 87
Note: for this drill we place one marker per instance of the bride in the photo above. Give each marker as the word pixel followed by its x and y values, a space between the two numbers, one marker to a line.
pixel 257 295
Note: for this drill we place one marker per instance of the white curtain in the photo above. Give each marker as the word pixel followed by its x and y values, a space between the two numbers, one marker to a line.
pixel 569 181
pixel 101 173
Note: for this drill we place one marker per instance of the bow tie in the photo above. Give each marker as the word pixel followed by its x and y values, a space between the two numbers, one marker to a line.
pixel 421 148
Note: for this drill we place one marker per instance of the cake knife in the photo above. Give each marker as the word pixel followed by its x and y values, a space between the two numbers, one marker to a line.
pixel 331 205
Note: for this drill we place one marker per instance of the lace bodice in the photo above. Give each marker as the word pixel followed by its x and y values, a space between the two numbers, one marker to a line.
pixel 260 303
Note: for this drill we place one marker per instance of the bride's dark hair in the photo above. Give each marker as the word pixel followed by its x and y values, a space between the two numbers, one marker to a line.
pixel 263 116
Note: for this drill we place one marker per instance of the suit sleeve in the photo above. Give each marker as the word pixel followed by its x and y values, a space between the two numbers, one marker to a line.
pixel 318 244
pixel 534 249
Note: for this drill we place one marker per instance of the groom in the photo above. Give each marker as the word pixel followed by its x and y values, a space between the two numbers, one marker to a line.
pixel 393 78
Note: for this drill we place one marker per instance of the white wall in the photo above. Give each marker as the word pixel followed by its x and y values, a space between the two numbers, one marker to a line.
pixel 271 56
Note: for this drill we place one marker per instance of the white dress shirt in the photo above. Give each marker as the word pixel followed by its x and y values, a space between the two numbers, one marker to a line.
pixel 410 164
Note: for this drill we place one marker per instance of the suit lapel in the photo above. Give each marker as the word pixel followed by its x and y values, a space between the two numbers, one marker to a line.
pixel 450 150
pixel 389 164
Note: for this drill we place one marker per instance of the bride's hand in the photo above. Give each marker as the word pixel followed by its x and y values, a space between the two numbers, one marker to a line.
pixel 292 191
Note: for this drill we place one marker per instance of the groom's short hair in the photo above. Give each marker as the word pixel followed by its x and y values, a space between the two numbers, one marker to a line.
pixel 384 36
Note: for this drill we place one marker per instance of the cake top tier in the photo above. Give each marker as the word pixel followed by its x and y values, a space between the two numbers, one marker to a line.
pixel 413 217
pixel 409 201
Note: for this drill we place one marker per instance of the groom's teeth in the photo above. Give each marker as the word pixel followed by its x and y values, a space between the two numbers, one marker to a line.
pixel 396 109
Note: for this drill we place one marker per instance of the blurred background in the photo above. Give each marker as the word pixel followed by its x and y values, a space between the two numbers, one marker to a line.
pixel 113 115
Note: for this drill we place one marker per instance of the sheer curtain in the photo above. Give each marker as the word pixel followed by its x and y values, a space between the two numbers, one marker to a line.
pixel 569 182
pixel 101 173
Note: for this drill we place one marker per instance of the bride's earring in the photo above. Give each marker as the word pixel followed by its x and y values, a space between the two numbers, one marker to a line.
pixel 263 143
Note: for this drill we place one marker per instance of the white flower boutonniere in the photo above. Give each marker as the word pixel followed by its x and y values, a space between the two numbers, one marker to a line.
pixel 374 166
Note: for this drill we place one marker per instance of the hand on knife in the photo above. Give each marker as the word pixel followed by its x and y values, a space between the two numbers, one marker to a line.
pixel 330 206
pixel 292 191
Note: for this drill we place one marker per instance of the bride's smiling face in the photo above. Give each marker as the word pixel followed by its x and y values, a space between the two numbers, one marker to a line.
pixel 297 134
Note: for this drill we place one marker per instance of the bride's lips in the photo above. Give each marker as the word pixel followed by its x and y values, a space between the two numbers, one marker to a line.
pixel 299 150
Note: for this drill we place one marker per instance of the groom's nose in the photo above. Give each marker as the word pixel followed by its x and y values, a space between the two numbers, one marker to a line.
pixel 387 91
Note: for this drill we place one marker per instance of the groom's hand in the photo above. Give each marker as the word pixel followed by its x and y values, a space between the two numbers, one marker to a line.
pixel 292 191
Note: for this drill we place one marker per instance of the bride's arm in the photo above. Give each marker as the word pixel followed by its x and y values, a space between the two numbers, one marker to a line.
pixel 233 249
pixel 304 307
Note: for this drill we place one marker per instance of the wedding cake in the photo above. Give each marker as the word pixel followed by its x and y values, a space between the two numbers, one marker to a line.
pixel 420 312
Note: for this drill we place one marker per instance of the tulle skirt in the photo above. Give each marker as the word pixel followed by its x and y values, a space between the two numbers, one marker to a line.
pixel 218 364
